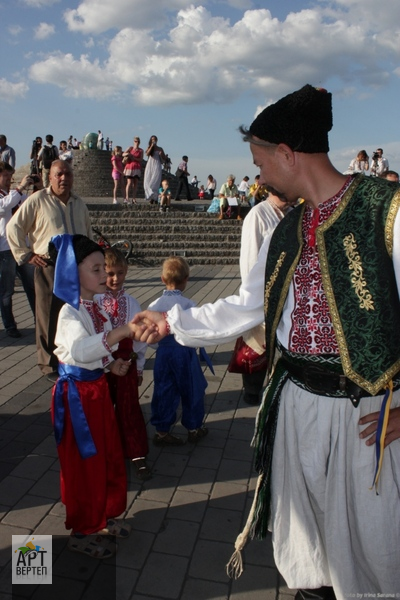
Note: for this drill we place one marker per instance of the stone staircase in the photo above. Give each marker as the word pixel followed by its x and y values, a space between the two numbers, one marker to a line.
pixel 187 230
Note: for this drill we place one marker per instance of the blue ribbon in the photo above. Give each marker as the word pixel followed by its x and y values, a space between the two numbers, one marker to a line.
pixel 205 358
pixel 83 437
pixel 66 274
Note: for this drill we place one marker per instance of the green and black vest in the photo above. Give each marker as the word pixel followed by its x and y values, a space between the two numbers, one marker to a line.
pixel 355 250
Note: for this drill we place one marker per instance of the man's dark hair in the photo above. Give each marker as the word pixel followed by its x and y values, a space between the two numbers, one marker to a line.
pixel 5 167
pixel 49 139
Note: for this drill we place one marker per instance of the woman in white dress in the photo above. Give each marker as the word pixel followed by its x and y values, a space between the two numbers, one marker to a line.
pixel 153 171
pixel 359 164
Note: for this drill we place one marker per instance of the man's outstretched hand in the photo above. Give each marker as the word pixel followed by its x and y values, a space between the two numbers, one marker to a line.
pixel 156 326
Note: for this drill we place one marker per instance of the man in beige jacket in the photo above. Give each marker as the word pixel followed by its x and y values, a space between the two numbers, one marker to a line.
pixel 50 211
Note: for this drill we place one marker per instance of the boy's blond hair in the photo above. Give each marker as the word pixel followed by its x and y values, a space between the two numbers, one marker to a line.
pixel 114 257
pixel 175 270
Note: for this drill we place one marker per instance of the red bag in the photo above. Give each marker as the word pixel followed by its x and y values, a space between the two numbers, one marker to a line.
pixel 245 359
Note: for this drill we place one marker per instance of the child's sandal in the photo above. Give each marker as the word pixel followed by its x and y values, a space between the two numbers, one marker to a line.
pixel 95 546
pixel 117 527
pixel 143 471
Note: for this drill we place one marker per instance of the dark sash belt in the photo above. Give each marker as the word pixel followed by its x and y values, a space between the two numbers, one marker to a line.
pixel 324 382
pixel 83 437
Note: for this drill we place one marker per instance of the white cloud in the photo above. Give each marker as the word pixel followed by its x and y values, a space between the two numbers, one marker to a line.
pixel 78 78
pixel 12 91
pixel 44 30
pixel 14 30
pixel 96 16
pixel 40 3
pixel 203 58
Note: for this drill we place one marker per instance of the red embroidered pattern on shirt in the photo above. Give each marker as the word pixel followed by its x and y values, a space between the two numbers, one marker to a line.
pixel 312 329
pixel 116 307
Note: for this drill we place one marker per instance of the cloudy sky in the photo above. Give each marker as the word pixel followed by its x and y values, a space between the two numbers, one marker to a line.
pixel 192 72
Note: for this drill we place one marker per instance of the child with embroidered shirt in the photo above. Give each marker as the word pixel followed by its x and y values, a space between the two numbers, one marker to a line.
pixel 121 308
pixel 177 372
pixel 93 476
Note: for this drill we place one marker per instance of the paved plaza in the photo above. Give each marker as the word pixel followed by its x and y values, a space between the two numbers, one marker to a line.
pixel 184 520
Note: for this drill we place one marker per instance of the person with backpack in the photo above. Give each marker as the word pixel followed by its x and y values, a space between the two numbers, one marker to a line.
pixel 48 153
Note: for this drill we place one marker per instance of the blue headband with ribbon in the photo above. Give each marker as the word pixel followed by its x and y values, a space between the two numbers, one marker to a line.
pixel 66 275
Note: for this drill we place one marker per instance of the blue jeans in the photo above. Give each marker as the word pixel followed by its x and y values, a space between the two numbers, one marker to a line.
pixel 8 268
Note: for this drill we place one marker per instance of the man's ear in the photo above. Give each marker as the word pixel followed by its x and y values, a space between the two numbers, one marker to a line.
pixel 287 154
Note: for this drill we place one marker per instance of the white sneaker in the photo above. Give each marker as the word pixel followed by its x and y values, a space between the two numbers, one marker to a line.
pixel 125 201
pixel 115 201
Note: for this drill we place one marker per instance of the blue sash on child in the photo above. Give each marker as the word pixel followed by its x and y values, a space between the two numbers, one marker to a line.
pixel 83 437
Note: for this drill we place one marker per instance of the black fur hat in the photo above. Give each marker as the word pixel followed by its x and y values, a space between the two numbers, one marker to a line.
pixel 301 120
pixel 82 245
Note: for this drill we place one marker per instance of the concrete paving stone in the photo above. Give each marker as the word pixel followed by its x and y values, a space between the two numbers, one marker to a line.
pixel 156 578
pixel 126 580
pixel 134 551
pixel 62 588
pixel 160 488
pixel 103 583
pixel 35 433
pixel 188 506
pixel 221 525
pixel 15 451
pixel 199 480
pixel 148 515
pixel 259 553
pixel 6 435
pixel 28 512
pixel 39 406
pixel 242 430
pixel 220 420
pixel 216 437
pixel 6 533
pixel 73 565
pixel 33 466
pixel 238 450
pixel 230 496
pixel 12 489
pixel 170 464
pixel 52 525
pixel 256 583
pixel 47 447
pixel 5 469
pixel 177 537
pixel 48 486
pixel 209 560
pixel 16 591
pixel 17 423
pixel 208 458
pixel 200 589
pixel 237 471
pixel 58 510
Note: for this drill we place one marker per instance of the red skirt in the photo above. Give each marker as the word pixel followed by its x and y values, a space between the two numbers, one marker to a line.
pixel 125 396
pixel 92 489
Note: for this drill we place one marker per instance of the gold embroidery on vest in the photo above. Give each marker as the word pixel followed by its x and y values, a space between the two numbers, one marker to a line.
pixel 357 279
pixel 272 280
pixel 389 227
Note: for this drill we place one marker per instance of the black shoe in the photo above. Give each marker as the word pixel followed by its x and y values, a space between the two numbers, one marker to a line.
pixel 52 377
pixel 251 398
pixel 189 199
pixel 13 333
pixel 323 593
pixel 177 199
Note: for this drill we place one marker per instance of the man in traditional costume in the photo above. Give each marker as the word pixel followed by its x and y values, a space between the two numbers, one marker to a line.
pixel 328 432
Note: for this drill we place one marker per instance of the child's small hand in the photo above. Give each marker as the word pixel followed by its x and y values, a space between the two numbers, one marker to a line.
pixel 120 367
pixel 155 320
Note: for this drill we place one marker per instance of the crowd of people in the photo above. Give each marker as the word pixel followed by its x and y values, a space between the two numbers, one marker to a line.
pixel 317 314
